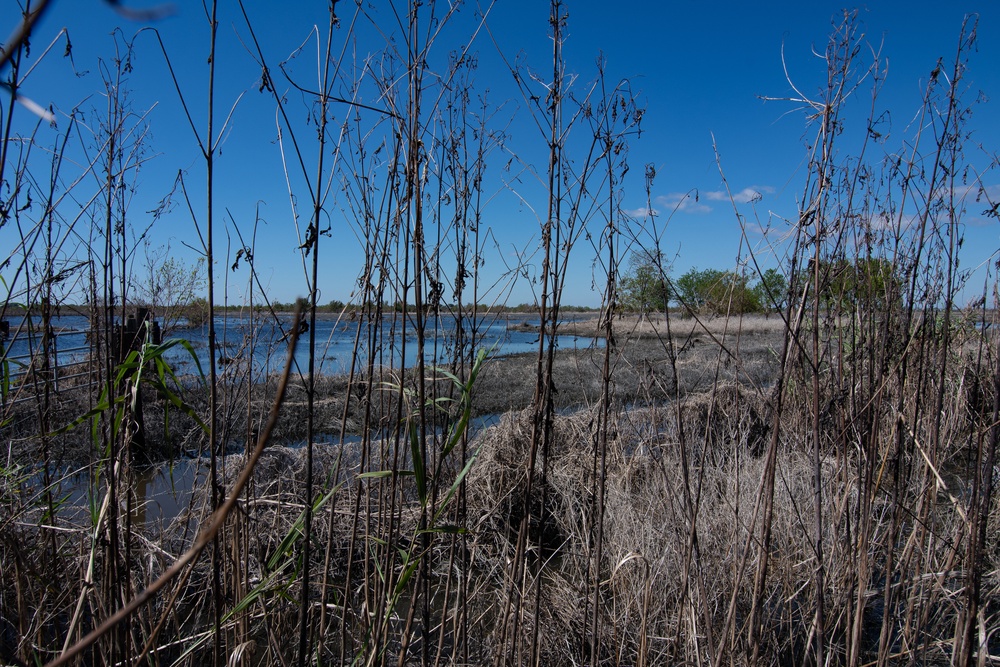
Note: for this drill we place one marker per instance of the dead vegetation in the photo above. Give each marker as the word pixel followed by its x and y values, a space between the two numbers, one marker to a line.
pixel 815 487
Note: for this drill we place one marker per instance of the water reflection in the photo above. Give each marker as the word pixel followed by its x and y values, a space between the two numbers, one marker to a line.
pixel 163 493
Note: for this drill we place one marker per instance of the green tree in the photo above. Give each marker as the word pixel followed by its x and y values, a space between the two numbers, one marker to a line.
pixel 717 292
pixel 172 289
pixel 845 284
pixel 645 287
pixel 694 288
pixel 877 283
pixel 195 312
pixel 772 290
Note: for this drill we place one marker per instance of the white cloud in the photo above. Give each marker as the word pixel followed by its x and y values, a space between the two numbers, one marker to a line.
pixel 642 212
pixel 754 193
pixel 688 202
pixel 978 193
pixel 880 222
pixel 975 202
pixel 982 205
pixel 694 202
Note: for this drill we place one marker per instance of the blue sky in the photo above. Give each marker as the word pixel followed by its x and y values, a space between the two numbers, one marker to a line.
pixel 699 69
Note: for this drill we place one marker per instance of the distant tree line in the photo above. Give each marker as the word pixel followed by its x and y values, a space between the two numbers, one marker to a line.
pixel 648 287
pixel 338 306
pixel 846 284
pixel 843 285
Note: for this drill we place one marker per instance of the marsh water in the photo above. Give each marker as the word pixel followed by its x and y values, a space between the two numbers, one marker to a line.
pixel 162 493
pixel 261 342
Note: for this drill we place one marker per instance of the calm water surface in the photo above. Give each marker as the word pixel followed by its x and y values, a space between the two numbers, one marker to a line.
pixel 262 343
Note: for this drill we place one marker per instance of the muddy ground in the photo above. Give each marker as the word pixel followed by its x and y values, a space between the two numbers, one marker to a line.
pixel 639 359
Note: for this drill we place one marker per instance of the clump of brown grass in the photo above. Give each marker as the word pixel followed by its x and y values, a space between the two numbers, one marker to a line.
pixel 646 529
pixel 669 570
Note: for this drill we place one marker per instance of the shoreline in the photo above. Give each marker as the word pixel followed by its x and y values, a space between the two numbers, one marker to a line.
pixel 640 357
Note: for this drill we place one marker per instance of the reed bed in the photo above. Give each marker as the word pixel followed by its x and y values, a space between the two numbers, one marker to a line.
pixel 814 486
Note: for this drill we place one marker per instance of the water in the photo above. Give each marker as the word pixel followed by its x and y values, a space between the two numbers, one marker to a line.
pixel 261 342
pixel 159 494
pixel 71 341
pixel 163 492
